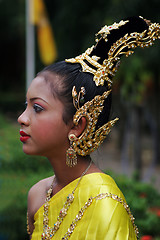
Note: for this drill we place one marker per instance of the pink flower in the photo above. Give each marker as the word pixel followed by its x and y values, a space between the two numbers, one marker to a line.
pixel 147 237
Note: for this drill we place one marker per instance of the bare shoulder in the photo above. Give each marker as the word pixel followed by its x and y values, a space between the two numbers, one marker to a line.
pixel 37 193
pixel 36 198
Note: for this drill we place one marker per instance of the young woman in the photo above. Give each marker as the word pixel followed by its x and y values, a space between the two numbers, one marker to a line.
pixel 66 118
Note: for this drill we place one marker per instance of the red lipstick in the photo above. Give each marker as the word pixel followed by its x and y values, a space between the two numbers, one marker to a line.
pixel 24 137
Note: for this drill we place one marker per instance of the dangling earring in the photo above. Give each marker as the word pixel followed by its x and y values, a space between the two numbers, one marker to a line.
pixel 71 157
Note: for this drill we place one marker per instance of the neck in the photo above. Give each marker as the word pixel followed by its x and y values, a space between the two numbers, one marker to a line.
pixel 64 174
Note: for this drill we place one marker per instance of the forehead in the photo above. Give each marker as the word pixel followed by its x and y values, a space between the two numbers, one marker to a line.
pixel 40 90
pixel 38 87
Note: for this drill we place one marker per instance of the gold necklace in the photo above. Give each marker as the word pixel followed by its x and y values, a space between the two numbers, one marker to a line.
pixel 49 232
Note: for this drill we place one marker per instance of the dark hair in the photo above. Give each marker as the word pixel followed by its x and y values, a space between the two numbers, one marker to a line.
pixel 69 75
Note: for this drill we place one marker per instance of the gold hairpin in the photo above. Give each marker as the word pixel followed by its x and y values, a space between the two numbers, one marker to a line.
pixel 78 98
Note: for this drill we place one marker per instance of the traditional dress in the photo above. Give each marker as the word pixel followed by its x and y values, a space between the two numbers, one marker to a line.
pixel 107 217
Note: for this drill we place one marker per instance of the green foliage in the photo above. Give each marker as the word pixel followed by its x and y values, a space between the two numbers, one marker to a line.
pixel 134 79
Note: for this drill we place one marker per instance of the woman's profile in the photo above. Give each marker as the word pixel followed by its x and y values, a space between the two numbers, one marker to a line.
pixel 66 119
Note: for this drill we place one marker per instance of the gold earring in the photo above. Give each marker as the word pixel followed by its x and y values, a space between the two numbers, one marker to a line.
pixel 71 157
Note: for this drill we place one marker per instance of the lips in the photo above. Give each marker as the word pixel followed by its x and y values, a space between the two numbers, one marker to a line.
pixel 24 137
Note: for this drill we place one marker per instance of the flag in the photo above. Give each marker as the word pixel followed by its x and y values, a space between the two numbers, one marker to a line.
pixel 45 36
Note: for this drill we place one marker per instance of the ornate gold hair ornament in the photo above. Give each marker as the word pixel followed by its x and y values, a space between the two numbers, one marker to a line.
pixel 90 138
pixel 124 46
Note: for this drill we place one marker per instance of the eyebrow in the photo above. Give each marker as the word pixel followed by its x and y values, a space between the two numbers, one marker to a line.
pixel 36 98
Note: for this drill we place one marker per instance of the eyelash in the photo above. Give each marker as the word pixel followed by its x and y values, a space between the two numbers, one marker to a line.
pixel 25 104
pixel 37 108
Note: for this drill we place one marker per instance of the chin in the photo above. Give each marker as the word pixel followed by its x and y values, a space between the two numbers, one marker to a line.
pixel 32 152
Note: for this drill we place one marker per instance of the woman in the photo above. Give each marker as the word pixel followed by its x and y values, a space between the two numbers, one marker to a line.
pixel 68 107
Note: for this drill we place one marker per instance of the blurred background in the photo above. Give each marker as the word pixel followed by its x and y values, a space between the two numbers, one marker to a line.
pixel 36 33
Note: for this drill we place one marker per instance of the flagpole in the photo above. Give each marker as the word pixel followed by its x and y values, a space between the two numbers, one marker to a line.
pixel 30 46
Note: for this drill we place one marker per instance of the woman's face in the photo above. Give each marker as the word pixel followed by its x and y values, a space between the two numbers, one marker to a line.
pixel 43 131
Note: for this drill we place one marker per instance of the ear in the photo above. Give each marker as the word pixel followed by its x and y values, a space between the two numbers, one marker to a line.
pixel 77 130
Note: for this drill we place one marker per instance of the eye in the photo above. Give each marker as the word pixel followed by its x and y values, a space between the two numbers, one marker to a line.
pixel 37 108
pixel 25 105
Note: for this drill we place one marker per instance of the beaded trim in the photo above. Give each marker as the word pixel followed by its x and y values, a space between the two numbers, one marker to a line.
pixel 28 230
pixel 89 202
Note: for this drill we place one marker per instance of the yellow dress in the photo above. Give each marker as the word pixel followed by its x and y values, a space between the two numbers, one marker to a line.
pixel 106 218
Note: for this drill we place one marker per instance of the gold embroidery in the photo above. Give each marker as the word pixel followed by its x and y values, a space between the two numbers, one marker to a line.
pixel 89 202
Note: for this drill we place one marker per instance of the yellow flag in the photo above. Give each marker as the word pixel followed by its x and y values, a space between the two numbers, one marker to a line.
pixel 46 42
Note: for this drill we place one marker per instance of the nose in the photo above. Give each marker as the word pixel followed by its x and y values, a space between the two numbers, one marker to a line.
pixel 23 119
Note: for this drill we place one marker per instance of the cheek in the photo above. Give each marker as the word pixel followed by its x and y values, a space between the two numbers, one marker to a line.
pixel 44 130
pixel 50 130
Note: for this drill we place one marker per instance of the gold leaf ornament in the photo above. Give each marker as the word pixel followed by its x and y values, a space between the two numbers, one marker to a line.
pixel 91 138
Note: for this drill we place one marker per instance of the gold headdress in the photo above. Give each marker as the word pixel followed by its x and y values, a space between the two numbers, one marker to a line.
pixel 104 72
